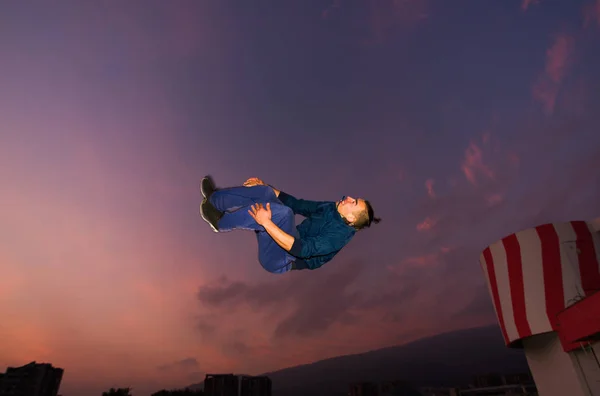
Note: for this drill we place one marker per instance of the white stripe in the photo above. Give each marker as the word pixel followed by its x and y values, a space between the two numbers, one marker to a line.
pixel 501 270
pixel 533 281
pixel 569 262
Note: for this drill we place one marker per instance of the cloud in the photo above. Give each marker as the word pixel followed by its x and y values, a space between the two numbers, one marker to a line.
pixel 205 324
pixel 426 224
pixel 302 309
pixel 479 205
pixel 306 320
pixel 480 306
pixel 383 16
pixel 184 365
pixel 494 199
pixel 513 159
pixel 557 57
pixel 473 163
pixel 429 186
pixel 339 302
pixel 525 4
pixel 591 14
pixel 558 60
pixel 435 282
pixel 447 281
pixel 426 260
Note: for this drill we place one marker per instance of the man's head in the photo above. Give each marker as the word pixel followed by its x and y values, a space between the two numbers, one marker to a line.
pixel 357 212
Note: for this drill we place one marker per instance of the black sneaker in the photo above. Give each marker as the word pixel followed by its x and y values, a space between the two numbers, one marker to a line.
pixel 207 186
pixel 210 214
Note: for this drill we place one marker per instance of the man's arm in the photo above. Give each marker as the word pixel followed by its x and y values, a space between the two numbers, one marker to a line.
pixel 302 207
pixel 307 247
pixel 326 243
pixel 331 240
pixel 283 239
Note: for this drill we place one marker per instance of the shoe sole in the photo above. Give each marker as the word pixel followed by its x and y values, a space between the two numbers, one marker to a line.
pixel 204 217
pixel 204 193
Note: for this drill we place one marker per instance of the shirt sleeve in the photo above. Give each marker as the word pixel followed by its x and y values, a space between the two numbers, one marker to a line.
pixel 299 206
pixel 326 243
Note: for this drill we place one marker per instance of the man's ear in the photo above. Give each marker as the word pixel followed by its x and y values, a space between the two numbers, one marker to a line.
pixel 351 218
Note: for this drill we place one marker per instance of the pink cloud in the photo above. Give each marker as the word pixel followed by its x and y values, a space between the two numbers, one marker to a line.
pixel 548 84
pixel 387 14
pixel 429 185
pixel 486 137
pixel 591 14
pixel 526 3
pixel 513 159
pixel 426 260
pixel 426 224
pixel 473 164
pixel 446 249
pixel 494 199
pixel 557 57
pixel 545 92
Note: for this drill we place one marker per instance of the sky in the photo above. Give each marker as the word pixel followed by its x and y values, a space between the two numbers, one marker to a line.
pixel 461 122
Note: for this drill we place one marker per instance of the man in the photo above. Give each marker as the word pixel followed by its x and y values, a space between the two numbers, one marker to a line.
pixel 326 229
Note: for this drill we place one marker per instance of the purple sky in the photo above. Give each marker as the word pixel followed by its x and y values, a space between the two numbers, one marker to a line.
pixel 460 123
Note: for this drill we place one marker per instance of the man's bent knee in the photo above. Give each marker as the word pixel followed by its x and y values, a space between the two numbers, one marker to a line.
pixel 282 212
pixel 275 267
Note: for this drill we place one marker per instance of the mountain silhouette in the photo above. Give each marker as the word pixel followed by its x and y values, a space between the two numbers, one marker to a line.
pixel 448 359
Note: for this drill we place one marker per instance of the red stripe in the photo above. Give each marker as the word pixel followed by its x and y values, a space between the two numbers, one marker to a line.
pixel 517 287
pixel 487 254
pixel 551 261
pixel 588 262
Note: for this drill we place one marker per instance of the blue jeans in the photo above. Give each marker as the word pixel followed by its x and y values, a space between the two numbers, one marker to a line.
pixel 235 202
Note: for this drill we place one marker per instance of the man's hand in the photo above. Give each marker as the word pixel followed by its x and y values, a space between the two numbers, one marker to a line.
pixel 261 214
pixel 254 181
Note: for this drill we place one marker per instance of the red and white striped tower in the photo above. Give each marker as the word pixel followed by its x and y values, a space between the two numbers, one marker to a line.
pixel 545 287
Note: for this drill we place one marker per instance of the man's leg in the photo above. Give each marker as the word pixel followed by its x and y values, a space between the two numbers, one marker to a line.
pixel 271 256
pixel 240 219
pixel 227 209
pixel 233 198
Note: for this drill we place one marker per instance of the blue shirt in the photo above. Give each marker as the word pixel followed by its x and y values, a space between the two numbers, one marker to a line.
pixel 321 235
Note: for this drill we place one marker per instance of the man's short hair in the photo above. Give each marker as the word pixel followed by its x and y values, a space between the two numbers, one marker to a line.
pixel 365 218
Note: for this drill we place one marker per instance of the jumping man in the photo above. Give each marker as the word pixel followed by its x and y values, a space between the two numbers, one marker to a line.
pixel 282 246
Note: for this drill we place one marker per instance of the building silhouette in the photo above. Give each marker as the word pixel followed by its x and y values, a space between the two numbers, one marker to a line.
pixel 33 379
pixel 364 389
pixel 256 386
pixel 221 385
pixel 237 385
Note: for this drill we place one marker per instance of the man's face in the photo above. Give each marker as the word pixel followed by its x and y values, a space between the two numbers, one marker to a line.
pixel 350 207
